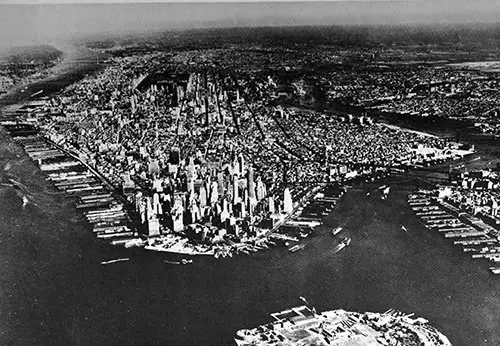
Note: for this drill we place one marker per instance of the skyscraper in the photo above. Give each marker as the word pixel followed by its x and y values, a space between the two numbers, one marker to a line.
pixel 224 215
pixel 261 192
pixel 178 213
pixel 287 201
pixel 236 197
pixel 203 197
pixel 241 164
pixel 251 184
pixel 157 208
pixel 220 184
pixel 214 194
pixel 152 220
pixel 271 205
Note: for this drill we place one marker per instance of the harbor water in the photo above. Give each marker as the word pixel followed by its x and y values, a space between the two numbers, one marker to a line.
pixel 54 290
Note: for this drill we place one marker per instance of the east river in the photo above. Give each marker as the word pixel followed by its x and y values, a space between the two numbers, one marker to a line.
pixel 54 291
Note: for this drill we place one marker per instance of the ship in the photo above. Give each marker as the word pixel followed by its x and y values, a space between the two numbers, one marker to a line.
pixel 343 244
pixel 182 261
pixel 114 261
pixel 37 93
pixel 296 248
pixel 385 192
pixel 337 230
pixel 302 325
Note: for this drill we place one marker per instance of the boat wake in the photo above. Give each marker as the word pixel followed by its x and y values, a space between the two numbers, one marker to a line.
pixel 403 227
pixel 115 261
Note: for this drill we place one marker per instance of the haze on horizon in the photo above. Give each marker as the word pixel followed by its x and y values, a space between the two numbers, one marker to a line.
pixel 42 22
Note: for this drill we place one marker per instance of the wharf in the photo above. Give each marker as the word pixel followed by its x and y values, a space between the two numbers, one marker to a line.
pixel 303 325
pixel 299 204
pixel 471 233
pixel 455 223
pixel 457 228
pixel 103 209
pixel 474 241
pixel 440 216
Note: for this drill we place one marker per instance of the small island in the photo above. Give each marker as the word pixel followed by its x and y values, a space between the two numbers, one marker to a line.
pixel 302 325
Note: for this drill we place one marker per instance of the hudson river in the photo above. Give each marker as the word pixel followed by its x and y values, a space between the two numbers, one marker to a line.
pixel 54 291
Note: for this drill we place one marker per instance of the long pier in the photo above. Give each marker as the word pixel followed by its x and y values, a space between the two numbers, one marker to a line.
pixel 476 237
pixel 94 195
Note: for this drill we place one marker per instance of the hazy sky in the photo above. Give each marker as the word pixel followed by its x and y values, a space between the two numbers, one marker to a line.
pixel 39 22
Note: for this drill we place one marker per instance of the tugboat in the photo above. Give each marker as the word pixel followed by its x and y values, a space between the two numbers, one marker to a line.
pixel 343 244
pixel 296 248
pixel 337 230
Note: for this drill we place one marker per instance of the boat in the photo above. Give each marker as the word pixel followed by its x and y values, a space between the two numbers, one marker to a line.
pixel 337 230
pixel 296 248
pixel 303 235
pixel 495 270
pixel 37 93
pixel 115 260
pixel 182 261
pixel 343 244
pixel 385 192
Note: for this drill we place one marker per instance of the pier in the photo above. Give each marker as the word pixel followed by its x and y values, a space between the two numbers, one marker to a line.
pixel 476 237
pixel 94 197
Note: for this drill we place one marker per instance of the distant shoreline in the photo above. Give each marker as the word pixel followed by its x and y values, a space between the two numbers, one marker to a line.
pixel 77 62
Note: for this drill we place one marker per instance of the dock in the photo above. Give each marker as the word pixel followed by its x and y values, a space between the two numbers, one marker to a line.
pixel 95 198
pixel 476 237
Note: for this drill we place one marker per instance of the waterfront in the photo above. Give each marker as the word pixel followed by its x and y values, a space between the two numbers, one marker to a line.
pixel 75 64
pixel 55 291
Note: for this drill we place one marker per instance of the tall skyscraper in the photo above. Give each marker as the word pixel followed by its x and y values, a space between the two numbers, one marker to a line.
pixel 157 208
pixel 287 201
pixel 152 220
pixel 220 184
pixel 224 215
pixel 261 193
pixel 178 213
pixel 272 210
pixel 203 197
pixel 241 164
pixel 251 184
pixel 214 194
pixel 236 197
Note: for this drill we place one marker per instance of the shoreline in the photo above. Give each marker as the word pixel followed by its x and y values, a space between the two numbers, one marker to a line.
pixel 405 129
pixel 73 67
pixel 342 328
pixel 96 172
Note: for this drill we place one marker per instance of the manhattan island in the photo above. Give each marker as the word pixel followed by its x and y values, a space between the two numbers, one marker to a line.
pixel 204 158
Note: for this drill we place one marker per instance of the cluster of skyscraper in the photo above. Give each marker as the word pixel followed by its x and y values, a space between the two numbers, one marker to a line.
pixel 231 199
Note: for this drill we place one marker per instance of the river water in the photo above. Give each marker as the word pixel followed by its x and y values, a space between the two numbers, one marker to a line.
pixel 55 292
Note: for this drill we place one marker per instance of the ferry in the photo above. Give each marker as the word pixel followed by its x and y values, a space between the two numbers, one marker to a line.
pixel 115 260
pixel 343 244
pixel 337 230
pixel 296 248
